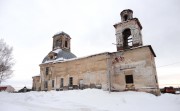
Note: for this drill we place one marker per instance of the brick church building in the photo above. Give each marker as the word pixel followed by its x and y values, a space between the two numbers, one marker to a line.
pixel 131 67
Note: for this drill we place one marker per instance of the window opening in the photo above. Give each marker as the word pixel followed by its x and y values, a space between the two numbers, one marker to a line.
pixel 62 83
pixel 51 57
pixel 46 84
pixel 129 79
pixel 55 56
pixel 52 83
pixel 71 81
pixel 66 43
pixel 47 70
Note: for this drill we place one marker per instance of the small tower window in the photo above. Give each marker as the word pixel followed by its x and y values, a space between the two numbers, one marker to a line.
pixel 51 57
pixel 125 17
pixel 66 43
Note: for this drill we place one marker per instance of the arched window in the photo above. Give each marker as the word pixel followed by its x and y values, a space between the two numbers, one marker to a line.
pixel 127 43
pixel 66 43
pixel 125 17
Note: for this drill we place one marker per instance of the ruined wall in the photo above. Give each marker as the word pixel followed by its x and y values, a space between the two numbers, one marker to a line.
pixel 104 71
pixel 140 64
pixel 89 71
pixel 36 83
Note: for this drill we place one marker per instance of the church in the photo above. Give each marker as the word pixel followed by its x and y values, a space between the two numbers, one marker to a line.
pixel 131 67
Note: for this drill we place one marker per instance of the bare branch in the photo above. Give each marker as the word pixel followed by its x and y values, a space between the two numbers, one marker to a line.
pixel 6 61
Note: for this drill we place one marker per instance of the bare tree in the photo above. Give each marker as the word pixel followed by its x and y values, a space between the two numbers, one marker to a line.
pixel 6 61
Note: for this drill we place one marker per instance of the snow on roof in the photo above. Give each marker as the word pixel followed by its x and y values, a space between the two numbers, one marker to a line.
pixel 36 75
pixel 57 50
pixel 65 60
pixel 61 55
pixel 61 59
pixel 71 59
pixel 48 61
pixel 83 57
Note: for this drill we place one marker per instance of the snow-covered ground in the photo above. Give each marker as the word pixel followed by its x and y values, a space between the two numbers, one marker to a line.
pixel 88 100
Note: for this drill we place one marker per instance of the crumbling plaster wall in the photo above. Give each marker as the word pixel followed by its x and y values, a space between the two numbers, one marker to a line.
pixel 36 83
pixel 139 63
pixel 92 70
pixel 102 70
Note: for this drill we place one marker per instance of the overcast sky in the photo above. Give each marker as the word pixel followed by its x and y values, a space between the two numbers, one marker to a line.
pixel 28 26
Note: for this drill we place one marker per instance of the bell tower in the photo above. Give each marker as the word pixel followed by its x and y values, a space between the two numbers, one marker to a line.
pixel 61 41
pixel 128 31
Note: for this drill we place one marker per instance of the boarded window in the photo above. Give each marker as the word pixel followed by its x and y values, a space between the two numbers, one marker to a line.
pixel 47 70
pixel 62 83
pixel 52 83
pixel 71 81
pixel 129 79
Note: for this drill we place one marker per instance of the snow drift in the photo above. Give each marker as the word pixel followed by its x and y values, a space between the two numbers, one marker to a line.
pixel 88 100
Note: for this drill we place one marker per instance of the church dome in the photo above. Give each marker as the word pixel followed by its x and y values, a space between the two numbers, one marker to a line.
pixel 58 55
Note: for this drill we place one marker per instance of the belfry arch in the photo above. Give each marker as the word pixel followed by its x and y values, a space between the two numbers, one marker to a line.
pixel 125 17
pixel 128 31
pixel 127 37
